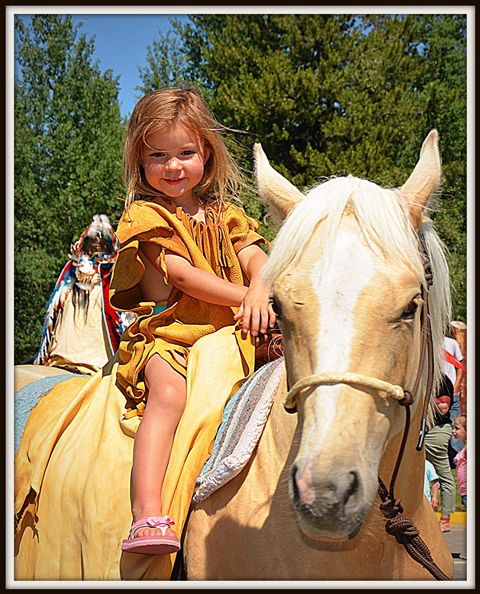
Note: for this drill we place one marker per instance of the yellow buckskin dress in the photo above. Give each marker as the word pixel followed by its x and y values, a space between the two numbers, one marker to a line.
pixel 73 465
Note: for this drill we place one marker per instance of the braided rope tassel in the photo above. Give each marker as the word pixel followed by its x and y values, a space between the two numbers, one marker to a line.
pixel 406 533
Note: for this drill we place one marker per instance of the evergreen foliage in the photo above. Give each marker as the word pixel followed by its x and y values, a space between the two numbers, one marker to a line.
pixel 68 150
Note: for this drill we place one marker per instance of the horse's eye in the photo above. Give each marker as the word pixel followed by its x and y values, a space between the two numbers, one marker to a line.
pixel 276 307
pixel 409 312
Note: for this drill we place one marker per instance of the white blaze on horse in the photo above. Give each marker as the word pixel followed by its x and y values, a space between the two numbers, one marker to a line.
pixel 349 286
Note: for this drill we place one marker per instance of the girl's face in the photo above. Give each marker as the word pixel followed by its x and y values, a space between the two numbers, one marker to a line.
pixel 175 162
pixel 459 431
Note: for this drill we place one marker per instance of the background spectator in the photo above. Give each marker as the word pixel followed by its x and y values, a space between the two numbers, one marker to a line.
pixel 452 368
pixel 436 450
pixel 459 431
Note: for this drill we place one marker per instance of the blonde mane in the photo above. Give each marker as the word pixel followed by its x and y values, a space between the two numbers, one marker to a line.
pixel 383 218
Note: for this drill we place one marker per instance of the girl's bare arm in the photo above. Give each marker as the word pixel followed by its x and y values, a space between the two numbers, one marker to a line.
pixel 195 282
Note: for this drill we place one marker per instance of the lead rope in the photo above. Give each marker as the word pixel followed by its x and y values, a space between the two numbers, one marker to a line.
pixel 405 532
pixel 397 525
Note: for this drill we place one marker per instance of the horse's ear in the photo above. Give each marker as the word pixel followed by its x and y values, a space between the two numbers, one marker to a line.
pixel 424 179
pixel 274 189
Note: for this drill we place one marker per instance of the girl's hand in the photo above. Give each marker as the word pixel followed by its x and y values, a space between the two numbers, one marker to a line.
pixel 255 311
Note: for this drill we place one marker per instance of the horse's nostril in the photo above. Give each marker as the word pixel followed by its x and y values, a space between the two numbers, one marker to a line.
pixel 352 488
pixel 305 507
pixel 295 491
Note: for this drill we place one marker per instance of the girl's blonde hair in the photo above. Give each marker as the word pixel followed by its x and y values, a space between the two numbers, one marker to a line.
pixel 162 109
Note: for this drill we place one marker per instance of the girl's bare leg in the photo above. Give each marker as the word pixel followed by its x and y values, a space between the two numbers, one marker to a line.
pixel 154 438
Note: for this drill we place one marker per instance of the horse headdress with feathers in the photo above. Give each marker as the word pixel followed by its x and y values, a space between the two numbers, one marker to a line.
pixel 90 262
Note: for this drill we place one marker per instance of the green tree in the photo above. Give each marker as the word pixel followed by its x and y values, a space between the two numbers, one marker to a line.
pixel 407 75
pixel 165 62
pixel 378 108
pixel 68 150
pixel 444 88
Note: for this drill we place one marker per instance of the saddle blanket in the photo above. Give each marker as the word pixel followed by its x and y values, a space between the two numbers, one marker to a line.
pixel 242 424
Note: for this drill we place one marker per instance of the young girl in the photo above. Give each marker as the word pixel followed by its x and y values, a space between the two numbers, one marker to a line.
pixel 460 432
pixel 189 266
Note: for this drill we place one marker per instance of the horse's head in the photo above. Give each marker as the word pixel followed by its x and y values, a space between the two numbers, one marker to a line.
pixel 347 278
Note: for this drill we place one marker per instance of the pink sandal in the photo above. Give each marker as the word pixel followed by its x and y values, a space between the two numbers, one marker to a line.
pixel 151 545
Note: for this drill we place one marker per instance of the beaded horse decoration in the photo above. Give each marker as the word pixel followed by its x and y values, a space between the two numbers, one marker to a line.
pixel 90 263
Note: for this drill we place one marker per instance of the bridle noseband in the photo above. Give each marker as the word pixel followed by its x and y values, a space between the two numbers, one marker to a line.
pixel 385 389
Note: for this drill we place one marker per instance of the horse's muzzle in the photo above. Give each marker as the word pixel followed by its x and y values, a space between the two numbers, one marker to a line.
pixel 332 509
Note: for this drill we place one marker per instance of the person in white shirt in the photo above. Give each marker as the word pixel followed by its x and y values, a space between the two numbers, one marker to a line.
pixel 455 374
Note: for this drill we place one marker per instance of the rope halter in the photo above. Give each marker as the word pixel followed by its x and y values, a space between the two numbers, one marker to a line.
pixel 385 389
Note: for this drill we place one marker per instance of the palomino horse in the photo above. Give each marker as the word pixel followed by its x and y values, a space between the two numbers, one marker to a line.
pixel 348 286
pixel 348 283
